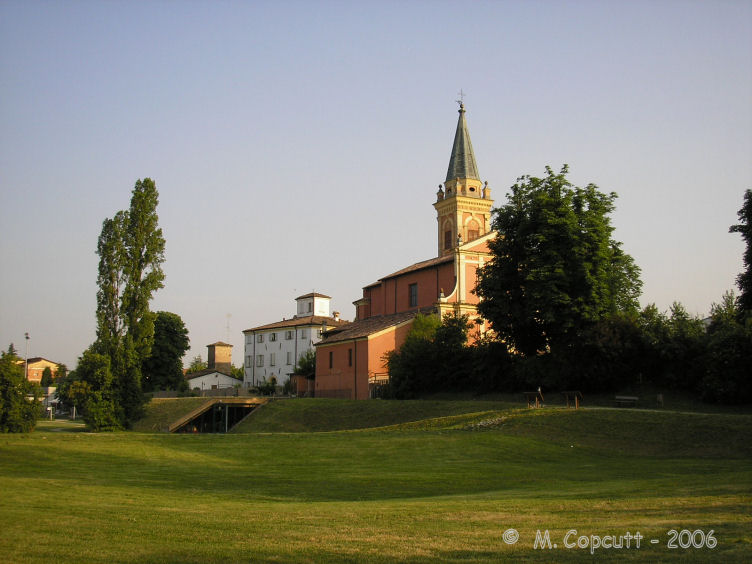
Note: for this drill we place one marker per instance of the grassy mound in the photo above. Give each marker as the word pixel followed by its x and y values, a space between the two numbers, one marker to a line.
pixel 161 412
pixel 318 414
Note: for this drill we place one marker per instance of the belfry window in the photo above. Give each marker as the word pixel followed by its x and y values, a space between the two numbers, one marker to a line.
pixel 413 295
pixel 448 239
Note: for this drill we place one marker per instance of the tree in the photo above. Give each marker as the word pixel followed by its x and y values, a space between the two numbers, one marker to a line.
pixel 197 365
pixel 62 372
pixel 744 279
pixel 19 398
pixel 131 253
pixel 95 390
pixel 163 369
pixel 555 269
pixel 306 365
pixel 728 355
pixel 46 377
pixel 434 357
pixel 237 372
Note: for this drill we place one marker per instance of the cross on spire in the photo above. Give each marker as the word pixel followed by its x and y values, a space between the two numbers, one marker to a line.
pixel 461 101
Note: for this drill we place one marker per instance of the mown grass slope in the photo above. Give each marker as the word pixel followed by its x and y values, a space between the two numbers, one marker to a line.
pixel 161 412
pixel 442 489
pixel 319 414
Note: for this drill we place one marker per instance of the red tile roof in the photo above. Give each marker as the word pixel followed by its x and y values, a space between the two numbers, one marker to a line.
pixel 370 325
pixel 310 320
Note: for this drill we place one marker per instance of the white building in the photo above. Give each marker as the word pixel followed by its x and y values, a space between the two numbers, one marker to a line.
pixel 210 379
pixel 274 349
pixel 217 374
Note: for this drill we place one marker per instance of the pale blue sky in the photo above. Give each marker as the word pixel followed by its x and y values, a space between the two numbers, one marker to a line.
pixel 321 130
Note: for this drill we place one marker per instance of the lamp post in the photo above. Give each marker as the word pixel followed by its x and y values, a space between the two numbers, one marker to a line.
pixel 26 357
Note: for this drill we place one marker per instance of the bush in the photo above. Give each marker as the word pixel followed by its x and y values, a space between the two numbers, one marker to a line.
pixel 287 389
pixel 101 414
pixel 727 364
pixel 269 387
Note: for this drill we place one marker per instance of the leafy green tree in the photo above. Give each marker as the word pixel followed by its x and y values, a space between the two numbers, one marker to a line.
pixel 62 372
pixel 306 365
pixel 555 268
pixel 17 413
pixel 163 369
pixel 197 365
pixel 71 392
pixel 744 280
pixel 237 372
pixel 434 357
pixel 131 253
pixel 684 348
pixel 724 312
pixel 46 377
pixel 728 355
pixel 654 333
pixel 96 392
pixel 413 364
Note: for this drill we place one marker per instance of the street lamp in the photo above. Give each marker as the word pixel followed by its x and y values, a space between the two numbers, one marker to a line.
pixel 26 358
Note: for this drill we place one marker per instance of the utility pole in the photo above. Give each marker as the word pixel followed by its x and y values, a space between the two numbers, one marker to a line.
pixel 26 357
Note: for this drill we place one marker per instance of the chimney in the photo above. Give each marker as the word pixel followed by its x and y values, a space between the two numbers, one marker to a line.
pixel 335 314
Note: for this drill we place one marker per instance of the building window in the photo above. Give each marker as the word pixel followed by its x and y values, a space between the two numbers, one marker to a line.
pixel 448 239
pixel 413 295
pixel 349 357
pixel 259 338
pixel 273 337
pixel 331 359
pixel 304 333
pixel 248 360
pixel 289 358
pixel 248 339
pixel 259 360
pixel 272 359
pixel 310 306
pixel 288 335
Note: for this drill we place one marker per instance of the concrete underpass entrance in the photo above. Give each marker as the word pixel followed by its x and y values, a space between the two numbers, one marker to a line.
pixel 216 416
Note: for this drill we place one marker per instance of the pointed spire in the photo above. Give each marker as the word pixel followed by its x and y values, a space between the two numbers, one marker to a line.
pixel 462 162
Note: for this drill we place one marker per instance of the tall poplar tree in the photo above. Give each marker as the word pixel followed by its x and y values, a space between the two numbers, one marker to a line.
pixel 131 253
pixel 555 268
pixel 744 280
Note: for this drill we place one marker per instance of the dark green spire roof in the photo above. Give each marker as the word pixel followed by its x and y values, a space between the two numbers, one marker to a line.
pixel 462 162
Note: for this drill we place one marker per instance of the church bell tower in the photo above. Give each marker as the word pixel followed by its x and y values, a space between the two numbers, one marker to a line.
pixel 463 203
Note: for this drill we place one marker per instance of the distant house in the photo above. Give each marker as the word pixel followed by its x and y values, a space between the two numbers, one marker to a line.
pixel 35 368
pixel 273 349
pixel 210 379
pixel 218 374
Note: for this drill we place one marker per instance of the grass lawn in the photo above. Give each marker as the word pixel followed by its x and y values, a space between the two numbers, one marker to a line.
pixel 441 485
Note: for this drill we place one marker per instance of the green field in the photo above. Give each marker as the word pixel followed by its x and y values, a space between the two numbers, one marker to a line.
pixel 301 481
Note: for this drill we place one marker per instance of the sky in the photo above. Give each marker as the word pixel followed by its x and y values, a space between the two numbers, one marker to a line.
pixel 297 146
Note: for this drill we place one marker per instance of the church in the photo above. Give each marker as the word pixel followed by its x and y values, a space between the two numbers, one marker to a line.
pixel 350 359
